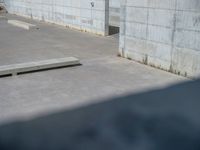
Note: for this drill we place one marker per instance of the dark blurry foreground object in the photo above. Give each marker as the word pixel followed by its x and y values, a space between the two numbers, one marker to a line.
pixel 167 119
pixel 2 8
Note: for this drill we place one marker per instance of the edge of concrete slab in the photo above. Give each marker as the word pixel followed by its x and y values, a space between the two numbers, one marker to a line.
pixel 15 69
pixel 21 24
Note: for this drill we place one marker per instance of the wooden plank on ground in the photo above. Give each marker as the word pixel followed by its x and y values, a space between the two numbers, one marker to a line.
pixel 39 65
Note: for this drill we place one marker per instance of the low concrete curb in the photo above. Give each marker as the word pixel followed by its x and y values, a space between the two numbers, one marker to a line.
pixel 21 24
pixel 36 66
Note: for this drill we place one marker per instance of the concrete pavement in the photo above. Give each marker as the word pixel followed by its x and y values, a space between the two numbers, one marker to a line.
pixel 101 76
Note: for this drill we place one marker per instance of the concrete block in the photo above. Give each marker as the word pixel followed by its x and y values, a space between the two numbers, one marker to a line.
pixel 160 34
pixel 114 13
pixel 149 48
pixel 137 3
pixel 188 5
pixel 187 39
pixel 166 17
pixel 135 14
pixel 148 60
pixel 162 4
pixel 39 65
pixel 186 62
pixel 21 24
pixel 188 20
pixel 136 30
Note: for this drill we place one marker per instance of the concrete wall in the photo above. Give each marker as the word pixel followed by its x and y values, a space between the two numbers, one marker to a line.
pixel 162 33
pixel 114 13
pixel 77 14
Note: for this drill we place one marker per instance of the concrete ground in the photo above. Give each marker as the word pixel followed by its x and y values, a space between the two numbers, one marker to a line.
pixel 102 74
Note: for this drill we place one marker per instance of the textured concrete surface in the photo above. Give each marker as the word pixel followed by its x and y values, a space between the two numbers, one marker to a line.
pixel 164 119
pixel 15 69
pixel 164 34
pixel 21 24
pixel 114 13
pixel 102 74
pixel 86 15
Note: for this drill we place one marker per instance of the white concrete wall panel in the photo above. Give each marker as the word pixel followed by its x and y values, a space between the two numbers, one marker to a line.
pixel 114 13
pixel 73 13
pixel 162 33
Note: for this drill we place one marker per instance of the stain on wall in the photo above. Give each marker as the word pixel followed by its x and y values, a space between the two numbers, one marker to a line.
pixel 165 32
pixel 86 15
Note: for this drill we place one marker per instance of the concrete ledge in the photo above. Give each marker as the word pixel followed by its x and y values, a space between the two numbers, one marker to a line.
pixel 40 65
pixel 21 24
pixel 70 26
pixel 2 17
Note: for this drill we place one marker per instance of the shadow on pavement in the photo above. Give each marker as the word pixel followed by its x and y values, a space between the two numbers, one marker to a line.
pixel 166 119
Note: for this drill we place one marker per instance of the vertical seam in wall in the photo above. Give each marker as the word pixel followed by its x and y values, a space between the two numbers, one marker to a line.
pixel 53 13
pixel 147 32
pixel 125 19
pixel 173 36
pixel 91 21
pixel 106 20
pixel 31 11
